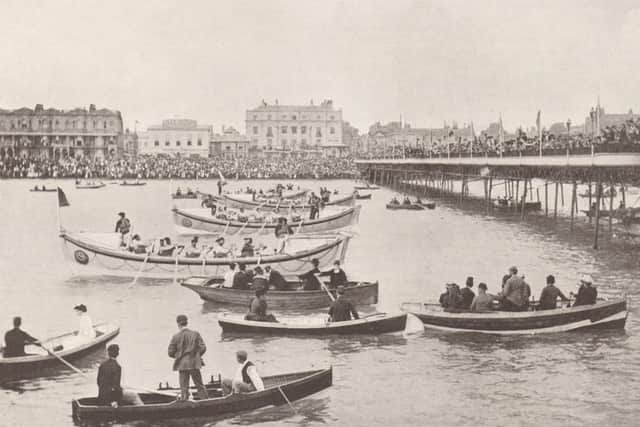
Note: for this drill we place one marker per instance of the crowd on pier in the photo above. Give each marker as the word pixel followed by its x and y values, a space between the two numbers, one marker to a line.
pixel 165 167
pixel 612 139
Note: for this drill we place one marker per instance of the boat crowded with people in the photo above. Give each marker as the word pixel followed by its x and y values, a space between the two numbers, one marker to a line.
pixel 241 201
pixel 373 324
pixel 104 253
pixel 292 298
pixel 161 405
pixel 46 356
pixel 89 185
pixel 241 222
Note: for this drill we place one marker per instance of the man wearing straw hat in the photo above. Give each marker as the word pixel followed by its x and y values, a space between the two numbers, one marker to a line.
pixel 587 294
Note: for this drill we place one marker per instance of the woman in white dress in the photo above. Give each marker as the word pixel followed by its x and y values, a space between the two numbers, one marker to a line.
pixel 85 325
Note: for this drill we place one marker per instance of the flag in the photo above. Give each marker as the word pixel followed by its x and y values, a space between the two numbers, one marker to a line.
pixel 62 199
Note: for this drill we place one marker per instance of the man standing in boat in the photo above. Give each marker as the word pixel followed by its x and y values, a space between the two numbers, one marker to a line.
pixel 16 339
pixel 186 348
pixel 516 292
pixel 342 309
pixel 109 376
pixel 123 226
pixel 246 378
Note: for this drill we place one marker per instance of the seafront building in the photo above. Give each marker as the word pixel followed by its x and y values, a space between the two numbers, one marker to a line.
pixel 275 128
pixel 229 144
pixel 182 137
pixel 53 133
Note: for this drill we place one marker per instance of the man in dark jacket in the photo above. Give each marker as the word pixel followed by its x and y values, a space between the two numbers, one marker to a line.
pixel 241 279
pixel 467 294
pixel 549 295
pixel 186 348
pixel 342 309
pixel 587 294
pixel 337 276
pixel 109 376
pixel 309 279
pixel 275 279
pixel 16 339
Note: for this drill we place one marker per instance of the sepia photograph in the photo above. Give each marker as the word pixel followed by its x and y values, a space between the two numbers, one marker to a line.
pixel 319 213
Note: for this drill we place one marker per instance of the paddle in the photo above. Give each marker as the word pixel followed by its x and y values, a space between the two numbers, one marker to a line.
pixel 325 288
pixel 288 401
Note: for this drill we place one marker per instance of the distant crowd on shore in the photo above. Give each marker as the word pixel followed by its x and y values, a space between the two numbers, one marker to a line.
pixel 613 139
pixel 165 167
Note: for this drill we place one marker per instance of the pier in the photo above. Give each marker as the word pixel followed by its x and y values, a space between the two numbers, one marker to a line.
pixel 512 180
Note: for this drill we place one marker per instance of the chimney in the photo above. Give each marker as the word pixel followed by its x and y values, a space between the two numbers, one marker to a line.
pixel 92 108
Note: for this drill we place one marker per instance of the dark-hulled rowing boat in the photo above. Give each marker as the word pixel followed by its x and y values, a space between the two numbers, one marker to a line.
pixel 363 196
pixel 428 205
pixel 602 315
pixel 45 190
pixel 66 346
pixel 366 187
pixel 359 293
pixel 405 206
pixel 180 196
pixel 161 406
pixel 378 323
pixel 133 184
pixel 502 204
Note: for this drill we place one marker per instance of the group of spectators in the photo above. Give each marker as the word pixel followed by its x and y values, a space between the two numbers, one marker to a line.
pixel 165 167
pixel 621 138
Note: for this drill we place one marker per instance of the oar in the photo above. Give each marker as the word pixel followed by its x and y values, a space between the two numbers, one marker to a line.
pixel 135 278
pixel 325 287
pixel 288 401
pixel 175 269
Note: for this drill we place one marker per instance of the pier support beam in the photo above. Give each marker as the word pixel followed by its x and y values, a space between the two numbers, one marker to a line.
pixel 597 231
pixel 574 201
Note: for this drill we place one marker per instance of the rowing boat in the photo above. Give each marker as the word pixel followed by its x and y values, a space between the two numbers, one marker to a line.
pixel 428 205
pixel 100 253
pixel 133 184
pixel 91 186
pixel 366 187
pixel 161 406
pixel 378 323
pixel 405 206
pixel 201 219
pixel 601 315
pixel 67 346
pixel 286 194
pixel 47 190
pixel 528 206
pixel 363 196
pixel 359 293
pixel 184 196
pixel 236 201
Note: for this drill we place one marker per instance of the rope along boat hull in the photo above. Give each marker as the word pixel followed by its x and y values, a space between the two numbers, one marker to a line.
pixel 160 406
pixel 360 294
pixel 604 314
pixel 199 219
pixel 372 325
pixel 94 257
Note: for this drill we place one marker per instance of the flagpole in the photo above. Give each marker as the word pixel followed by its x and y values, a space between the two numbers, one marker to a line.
pixel 540 132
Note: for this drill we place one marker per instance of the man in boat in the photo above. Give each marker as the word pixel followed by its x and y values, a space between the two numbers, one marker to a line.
pixel 406 200
pixel 241 279
pixel 309 279
pixel 467 294
pixel 247 249
pixel 178 192
pixel 258 307
pixel 451 298
pixel 229 275
pixel 314 202
pixel 337 276
pixel 219 184
pixel 219 250
pixel 16 339
pixel 110 391
pixel 549 295
pixel 123 226
pixel 259 279
pixel 394 201
pixel 246 378
pixel 275 279
pixel 166 248
pixel 186 348
pixel 483 301
pixel 283 229
pixel 587 294
pixel 342 309
pixel 193 251
pixel 136 246
pixel 516 293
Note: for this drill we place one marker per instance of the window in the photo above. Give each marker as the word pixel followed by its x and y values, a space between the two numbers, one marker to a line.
pixel 331 117
pixel 177 143
pixel 269 131
pixel 293 117
pixel 269 117
pixel 156 143
pixel 303 130
pixel 332 130
pixel 284 116
pixel 294 129
pixel 269 141
pixel 283 142
pixel 166 143
pixel 189 143
pixel 255 130
pixel 318 133
pixel 95 126
pixel 104 125
pixel 255 117
pixel 199 143
pixel 318 117
pixel 283 129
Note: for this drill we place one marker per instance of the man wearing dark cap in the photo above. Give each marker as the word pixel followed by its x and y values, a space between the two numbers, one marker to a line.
pixel 309 279
pixel 109 376
pixel 123 226
pixel 246 378
pixel 337 276
pixel 16 339
pixel 342 309
pixel 186 348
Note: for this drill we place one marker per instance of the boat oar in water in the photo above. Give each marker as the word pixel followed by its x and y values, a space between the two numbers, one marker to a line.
pixel 135 278
pixel 325 287
pixel 287 399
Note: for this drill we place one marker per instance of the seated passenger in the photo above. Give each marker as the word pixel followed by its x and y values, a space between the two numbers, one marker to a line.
pixel 246 378
pixel 166 248
pixel 283 229
pixel 394 201
pixel 549 295
pixel 467 294
pixel 516 293
pixel 259 279
pixel 309 280
pixel 219 250
pixel 241 279
pixel 337 276
pixel 483 301
pixel 247 249
pixel 275 279
pixel 229 275
pixel 258 307
pixel 342 309
pixel 136 245
pixel 406 201
pixel 587 294
pixel 193 251
pixel 451 299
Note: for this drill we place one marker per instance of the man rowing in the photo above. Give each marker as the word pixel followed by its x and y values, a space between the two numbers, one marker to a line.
pixel 258 307
pixel 16 339
pixel 337 276
pixel 342 309
pixel 550 294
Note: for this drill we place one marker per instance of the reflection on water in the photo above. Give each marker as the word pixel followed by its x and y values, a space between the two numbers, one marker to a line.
pixel 418 378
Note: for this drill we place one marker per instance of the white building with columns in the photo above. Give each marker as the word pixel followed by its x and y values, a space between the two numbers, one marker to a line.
pixel 182 137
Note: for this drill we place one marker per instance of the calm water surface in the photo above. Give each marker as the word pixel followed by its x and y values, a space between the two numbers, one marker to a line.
pixel 415 378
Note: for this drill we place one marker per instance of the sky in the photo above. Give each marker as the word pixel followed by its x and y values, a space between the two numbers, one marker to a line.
pixel 425 61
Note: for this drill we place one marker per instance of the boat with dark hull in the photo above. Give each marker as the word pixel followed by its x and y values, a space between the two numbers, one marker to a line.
pixel 375 324
pixel 187 195
pixel 505 205
pixel 359 293
pixel 363 196
pixel 237 201
pixel 90 185
pixel 100 253
pixel 43 190
pixel 162 406
pixel 201 219
pixel 66 346
pixel 602 315
pixel 133 183
pixel 428 205
pixel 366 187
pixel 405 206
